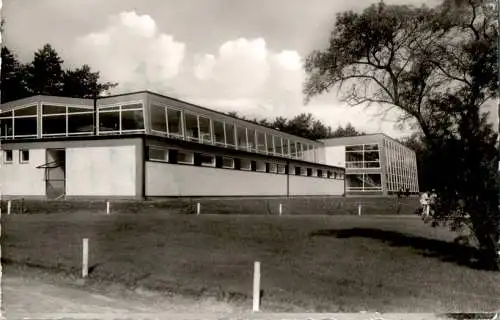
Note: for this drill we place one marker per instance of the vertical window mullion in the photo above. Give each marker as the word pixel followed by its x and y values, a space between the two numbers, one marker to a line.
pixel 199 131
pixel 167 129
pixel 67 129
pixel 120 119
pixel 224 128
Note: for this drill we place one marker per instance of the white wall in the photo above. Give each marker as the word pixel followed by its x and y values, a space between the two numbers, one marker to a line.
pixel 24 179
pixel 101 171
pixel 163 179
pixel 335 156
pixel 301 186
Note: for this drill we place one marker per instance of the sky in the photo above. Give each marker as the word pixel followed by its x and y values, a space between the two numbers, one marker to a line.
pixel 229 55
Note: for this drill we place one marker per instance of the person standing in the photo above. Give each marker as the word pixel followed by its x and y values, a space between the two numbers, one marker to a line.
pixel 424 202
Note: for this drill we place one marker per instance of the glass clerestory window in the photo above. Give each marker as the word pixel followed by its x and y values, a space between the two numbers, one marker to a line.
pixel 230 135
pixel 191 125
pixel 241 136
pixel 219 134
pixel 123 118
pixel 205 129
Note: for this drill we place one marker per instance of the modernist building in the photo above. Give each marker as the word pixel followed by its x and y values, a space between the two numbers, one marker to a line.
pixel 148 145
pixel 374 164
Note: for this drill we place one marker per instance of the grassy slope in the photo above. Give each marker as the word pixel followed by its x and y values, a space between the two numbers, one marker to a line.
pixel 316 263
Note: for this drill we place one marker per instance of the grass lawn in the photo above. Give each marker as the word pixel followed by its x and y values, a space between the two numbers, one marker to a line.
pixel 308 263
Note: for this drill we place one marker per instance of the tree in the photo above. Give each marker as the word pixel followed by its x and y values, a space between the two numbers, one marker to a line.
pixel 304 125
pixel 13 77
pixel 46 74
pixel 437 66
pixel 83 83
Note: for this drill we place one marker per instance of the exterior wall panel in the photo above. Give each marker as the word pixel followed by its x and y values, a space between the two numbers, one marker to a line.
pixel 302 186
pixel 163 179
pixel 335 156
pixel 101 171
pixel 23 179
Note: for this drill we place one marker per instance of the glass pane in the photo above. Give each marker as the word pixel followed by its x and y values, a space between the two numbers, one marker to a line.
pixel 205 132
pixel 29 111
pixel 371 147
pixel 48 109
pixel 270 146
pixel 354 164
pixel 54 124
pixel 241 134
pixel 81 122
pixel 251 139
pixel 354 156
pixel 299 150
pixel 354 148
pixel 261 141
pixel 191 125
pixel 132 106
pixel 174 122
pixel 286 151
pixel 79 109
pixel 26 126
pixel 109 121
pixel 375 164
pixel 6 114
pixel 158 154
pixel 132 120
pixel 158 118
pixel 372 181
pixel 293 149
pixel 219 132
pixel 110 108
pixel 371 156
pixel 185 157
pixel 6 127
pixel 245 164
pixel 230 134
pixel 277 145
pixel 354 181
pixel 227 162
pixel 207 160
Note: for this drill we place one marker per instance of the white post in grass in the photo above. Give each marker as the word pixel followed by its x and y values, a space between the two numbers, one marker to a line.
pixel 198 208
pixel 108 207
pixel 256 286
pixel 281 209
pixel 85 258
pixel 359 209
pixel 9 206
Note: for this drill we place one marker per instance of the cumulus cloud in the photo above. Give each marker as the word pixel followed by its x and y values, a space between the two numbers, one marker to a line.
pixel 132 51
pixel 247 70
pixel 243 75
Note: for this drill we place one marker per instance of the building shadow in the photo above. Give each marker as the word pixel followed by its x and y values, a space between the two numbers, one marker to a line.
pixel 445 251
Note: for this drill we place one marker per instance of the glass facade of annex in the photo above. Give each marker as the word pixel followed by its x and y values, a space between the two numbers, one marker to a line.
pixel 364 162
pixel 386 167
pixel 45 120
pixel 401 167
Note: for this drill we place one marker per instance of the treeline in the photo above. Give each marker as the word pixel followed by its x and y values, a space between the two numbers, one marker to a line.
pixel 46 75
pixel 304 125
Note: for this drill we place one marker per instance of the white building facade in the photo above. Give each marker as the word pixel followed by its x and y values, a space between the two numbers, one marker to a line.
pixel 142 145
pixel 374 164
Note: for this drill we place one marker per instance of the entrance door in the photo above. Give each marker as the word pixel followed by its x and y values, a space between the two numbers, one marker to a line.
pixel 55 173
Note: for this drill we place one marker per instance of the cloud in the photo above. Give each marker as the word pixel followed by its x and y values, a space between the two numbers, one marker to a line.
pixel 247 70
pixel 243 75
pixel 131 50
